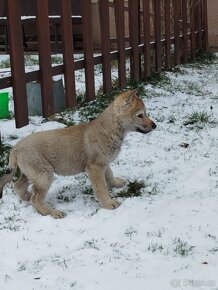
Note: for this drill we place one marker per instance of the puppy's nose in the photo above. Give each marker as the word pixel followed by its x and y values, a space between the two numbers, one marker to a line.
pixel 153 125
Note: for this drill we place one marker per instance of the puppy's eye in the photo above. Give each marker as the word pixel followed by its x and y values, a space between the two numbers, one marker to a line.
pixel 140 116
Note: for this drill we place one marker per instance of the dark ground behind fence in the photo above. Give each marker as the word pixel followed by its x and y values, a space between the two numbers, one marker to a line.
pixel 162 34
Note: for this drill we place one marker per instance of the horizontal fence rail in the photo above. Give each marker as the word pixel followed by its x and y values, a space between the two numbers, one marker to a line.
pixel 150 36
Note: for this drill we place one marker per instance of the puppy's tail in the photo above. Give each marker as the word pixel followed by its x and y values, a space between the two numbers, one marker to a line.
pixel 10 172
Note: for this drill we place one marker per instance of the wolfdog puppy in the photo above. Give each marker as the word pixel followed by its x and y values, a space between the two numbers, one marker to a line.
pixel 88 147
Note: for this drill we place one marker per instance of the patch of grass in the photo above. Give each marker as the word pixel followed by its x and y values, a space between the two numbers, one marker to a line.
pixel 29 60
pixel 12 223
pixel 55 59
pixel 64 117
pixel 214 250
pixel 182 248
pixel 204 57
pixel 130 232
pixel 4 155
pixel 88 191
pixel 154 247
pixel 199 118
pixel 159 79
pixel 90 244
pixel 191 88
pixel 140 85
pixel 89 111
pixel 134 188
pixel 5 63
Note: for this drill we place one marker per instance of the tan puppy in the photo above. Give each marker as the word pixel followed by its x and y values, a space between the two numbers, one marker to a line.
pixel 89 147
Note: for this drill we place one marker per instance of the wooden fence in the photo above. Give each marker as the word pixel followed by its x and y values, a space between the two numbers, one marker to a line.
pixel 162 33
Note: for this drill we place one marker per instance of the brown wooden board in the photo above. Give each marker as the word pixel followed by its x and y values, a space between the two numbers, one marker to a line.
pixel 134 39
pixel 167 34
pixel 157 27
pixel 185 31
pixel 105 44
pixel 176 18
pixel 88 48
pixel 68 53
pixel 45 58
pixel 205 24
pixel 119 19
pixel 17 63
pixel 147 30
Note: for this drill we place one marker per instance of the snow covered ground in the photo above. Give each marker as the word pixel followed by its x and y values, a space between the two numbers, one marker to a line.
pixel 167 238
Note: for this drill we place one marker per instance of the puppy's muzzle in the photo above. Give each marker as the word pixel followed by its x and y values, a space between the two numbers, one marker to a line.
pixel 153 125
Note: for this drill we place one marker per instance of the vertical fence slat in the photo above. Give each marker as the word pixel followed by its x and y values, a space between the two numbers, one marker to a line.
pixel 199 21
pixel 147 31
pixel 134 39
pixel 44 48
pixel 176 16
pixel 185 31
pixel 86 10
pixel 68 53
pixel 17 63
pixel 157 24
pixel 120 32
pixel 192 28
pixel 105 44
pixel 205 24
pixel 167 34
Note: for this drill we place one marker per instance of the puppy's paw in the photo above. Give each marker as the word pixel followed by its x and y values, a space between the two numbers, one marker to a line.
pixel 57 214
pixel 119 182
pixel 110 204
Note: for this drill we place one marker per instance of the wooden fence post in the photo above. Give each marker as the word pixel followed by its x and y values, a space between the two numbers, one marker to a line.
pixel 44 48
pixel 86 10
pixel 192 28
pixel 120 34
pixel 168 34
pixel 68 53
pixel 134 39
pixel 185 31
pixel 105 44
pixel 17 62
pixel 205 24
pixel 157 28
pixel 147 45
pixel 176 18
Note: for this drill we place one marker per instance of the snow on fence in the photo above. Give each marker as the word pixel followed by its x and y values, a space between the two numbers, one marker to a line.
pixel 159 35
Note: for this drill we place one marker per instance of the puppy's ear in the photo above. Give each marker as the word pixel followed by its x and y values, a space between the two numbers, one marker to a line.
pixel 129 95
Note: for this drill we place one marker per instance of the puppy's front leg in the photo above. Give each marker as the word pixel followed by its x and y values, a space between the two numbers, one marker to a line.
pixel 113 181
pixel 97 176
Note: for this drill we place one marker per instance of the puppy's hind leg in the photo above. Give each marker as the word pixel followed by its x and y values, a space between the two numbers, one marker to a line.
pixel 21 187
pixel 40 174
pixel 40 188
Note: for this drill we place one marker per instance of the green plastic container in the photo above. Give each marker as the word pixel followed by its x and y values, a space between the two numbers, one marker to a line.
pixel 4 100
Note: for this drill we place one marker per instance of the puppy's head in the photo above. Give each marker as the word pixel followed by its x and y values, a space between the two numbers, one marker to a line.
pixel 131 112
